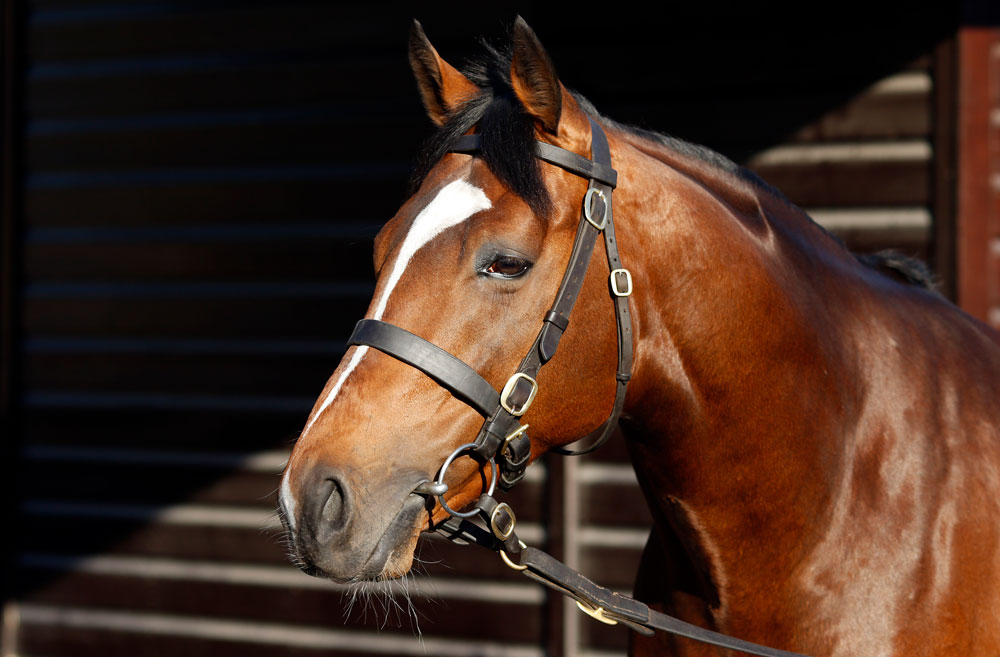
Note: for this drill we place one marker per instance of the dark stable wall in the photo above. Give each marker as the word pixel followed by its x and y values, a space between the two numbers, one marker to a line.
pixel 193 188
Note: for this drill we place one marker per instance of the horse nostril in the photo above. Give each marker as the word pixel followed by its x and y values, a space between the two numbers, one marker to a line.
pixel 328 509
pixel 334 511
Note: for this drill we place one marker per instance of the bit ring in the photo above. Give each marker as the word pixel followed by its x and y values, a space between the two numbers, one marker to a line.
pixel 440 481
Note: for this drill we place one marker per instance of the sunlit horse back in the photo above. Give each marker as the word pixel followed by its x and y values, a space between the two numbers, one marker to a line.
pixel 818 442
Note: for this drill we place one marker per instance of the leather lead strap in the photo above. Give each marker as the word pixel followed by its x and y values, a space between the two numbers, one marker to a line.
pixel 543 568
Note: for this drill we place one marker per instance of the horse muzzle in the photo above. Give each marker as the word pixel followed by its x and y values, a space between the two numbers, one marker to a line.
pixel 336 533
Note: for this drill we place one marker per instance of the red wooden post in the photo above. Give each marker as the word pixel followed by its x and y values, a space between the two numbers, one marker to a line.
pixel 978 211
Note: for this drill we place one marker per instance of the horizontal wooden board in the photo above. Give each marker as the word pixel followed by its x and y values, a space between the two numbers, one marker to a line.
pixel 129 483
pixel 322 606
pixel 743 126
pixel 363 134
pixel 323 318
pixel 74 631
pixel 614 505
pixel 213 82
pixel 348 28
pixel 600 637
pixel 911 242
pixel 314 258
pixel 170 429
pixel 89 535
pixel 231 374
pixel 839 184
pixel 614 568
pixel 343 195
pixel 63 35
pixel 880 113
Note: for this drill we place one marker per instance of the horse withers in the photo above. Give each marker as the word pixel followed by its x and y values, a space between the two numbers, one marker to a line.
pixel 818 442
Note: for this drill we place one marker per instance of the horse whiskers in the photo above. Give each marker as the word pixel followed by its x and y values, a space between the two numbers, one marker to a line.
pixel 381 596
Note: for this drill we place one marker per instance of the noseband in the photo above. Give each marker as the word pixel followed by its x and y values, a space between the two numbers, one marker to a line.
pixel 503 442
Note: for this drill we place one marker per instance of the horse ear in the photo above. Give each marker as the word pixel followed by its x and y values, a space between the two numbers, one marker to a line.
pixel 537 86
pixel 442 87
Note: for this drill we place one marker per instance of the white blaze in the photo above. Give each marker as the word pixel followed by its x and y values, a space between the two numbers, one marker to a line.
pixel 455 203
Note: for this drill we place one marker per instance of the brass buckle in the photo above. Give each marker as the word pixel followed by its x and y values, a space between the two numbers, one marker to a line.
pixel 503 533
pixel 514 435
pixel 595 612
pixel 586 208
pixel 628 283
pixel 509 388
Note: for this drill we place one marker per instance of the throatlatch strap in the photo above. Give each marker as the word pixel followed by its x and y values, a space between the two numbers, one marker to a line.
pixel 602 153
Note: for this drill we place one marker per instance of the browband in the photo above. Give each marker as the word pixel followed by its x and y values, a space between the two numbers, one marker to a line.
pixel 572 162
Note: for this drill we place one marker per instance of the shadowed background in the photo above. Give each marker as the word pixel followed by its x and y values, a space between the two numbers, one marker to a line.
pixel 190 194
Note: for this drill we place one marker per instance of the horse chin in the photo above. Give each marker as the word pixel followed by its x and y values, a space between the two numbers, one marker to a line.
pixel 401 558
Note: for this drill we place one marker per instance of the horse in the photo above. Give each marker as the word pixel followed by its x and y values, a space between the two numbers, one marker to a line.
pixel 816 434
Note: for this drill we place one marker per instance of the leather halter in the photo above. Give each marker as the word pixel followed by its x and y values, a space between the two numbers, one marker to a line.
pixel 503 442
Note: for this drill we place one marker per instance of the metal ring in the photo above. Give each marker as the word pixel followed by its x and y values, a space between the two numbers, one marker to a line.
pixel 444 468
pixel 506 559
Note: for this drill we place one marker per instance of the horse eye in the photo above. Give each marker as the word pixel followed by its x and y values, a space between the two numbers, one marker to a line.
pixel 507 267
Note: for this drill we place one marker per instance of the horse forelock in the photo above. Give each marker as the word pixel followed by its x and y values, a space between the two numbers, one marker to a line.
pixel 506 130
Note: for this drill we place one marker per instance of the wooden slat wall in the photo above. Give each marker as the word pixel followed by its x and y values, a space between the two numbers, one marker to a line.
pixel 202 184
pixel 978 171
pixel 202 188
pixel 863 169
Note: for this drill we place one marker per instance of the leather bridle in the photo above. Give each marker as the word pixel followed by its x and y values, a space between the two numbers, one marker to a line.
pixel 503 442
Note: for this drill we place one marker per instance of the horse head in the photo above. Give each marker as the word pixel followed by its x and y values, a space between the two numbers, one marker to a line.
pixel 470 263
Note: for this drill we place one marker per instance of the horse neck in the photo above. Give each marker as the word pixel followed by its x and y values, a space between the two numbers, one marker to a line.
pixel 733 394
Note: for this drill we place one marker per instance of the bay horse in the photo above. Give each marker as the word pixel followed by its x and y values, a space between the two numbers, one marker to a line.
pixel 816 438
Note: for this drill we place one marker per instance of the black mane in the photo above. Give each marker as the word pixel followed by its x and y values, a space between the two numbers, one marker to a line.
pixel 508 136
